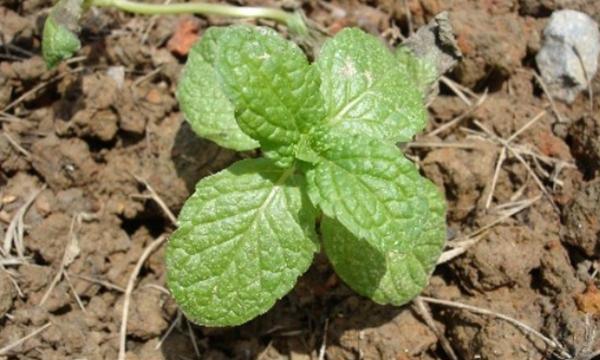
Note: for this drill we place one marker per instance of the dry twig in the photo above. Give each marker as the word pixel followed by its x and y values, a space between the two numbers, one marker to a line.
pixel 129 289
pixel 4 116
pixel 16 228
pixel 502 155
pixel 512 150
pixel 5 350
pixel 106 284
pixel 169 330
pixel 549 96
pixel 323 347
pixel 193 339
pixel 149 75
pixel 459 247
pixel 587 78
pixel 75 294
pixel 38 87
pixel 554 345
pixel 71 252
pixel 16 145
pixel 499 162
pixel 456 89
pixel 459 118
pixel 586 350
pixel 158 199
pixel 422 309
pixel 157 287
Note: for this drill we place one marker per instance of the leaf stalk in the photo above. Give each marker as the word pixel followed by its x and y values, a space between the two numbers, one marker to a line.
pixel 294 21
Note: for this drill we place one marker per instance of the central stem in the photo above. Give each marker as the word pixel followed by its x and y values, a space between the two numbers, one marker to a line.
pixel 292 20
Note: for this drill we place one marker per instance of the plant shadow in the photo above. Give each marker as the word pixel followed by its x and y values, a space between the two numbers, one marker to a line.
pixel 196 158
pixel 296 326
pixel 319 307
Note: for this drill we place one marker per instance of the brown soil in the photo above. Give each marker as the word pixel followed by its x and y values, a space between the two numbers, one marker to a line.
pixel 82 134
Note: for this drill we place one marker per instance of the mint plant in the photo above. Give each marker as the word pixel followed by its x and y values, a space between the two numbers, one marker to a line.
pixel 331 173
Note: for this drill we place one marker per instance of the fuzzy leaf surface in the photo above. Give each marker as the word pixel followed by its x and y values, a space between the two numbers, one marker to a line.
pixel 366 91
pixel 206 107
pixel 367 185
pixel 243 239
pixel 273 87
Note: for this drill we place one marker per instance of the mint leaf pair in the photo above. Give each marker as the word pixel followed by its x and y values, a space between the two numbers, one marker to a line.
pixel 328 132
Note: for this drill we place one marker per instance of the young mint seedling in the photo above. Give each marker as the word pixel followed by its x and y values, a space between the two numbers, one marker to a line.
pixel 327 131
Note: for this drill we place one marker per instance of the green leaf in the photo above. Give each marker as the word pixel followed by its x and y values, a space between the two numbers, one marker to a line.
pixel 421 71
pixel 243 239
pixel 385 225
pixel 208 45
pixel 205 106
pixel 273 87
pixel 366 91
pixel 392 274
pixel 390 212
pixel 364 183
pixel 59 38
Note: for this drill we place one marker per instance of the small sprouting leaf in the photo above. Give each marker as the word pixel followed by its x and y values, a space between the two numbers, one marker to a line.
pixel 421 71
pixel 244 237
pixel 366 91
pixel 273 87
pixel 206 108
pixel 59 38
pixel 376 193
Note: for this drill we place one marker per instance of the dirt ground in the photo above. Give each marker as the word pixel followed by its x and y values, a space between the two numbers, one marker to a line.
pixel 84 147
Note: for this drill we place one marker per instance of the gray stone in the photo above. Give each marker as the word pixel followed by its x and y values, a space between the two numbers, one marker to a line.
pixel 571 44
pixel 436 42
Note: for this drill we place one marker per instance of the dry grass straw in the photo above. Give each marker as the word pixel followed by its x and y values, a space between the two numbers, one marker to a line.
pixel 559 349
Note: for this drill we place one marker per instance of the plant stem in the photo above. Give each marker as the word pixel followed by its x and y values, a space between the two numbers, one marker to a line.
pixel 293 21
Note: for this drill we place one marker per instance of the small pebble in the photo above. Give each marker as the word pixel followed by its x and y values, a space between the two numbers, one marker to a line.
pixel 571 44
